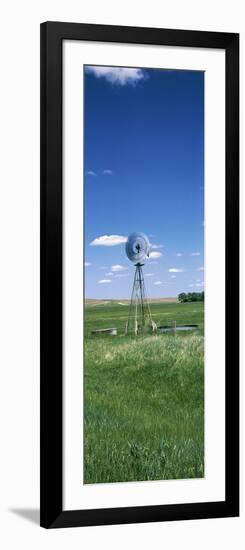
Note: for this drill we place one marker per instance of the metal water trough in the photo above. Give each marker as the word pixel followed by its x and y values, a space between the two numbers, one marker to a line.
pixel 167 328
pixel 105 331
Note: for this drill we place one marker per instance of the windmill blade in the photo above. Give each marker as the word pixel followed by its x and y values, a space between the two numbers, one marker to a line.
pixel 137 247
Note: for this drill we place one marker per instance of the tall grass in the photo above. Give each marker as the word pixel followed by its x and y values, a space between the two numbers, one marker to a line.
pixel 144 400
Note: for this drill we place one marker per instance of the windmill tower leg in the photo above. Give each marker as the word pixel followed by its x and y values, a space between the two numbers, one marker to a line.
pixel 139 317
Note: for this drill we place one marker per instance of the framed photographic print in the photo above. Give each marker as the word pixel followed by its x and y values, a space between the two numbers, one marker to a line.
pixel 139 274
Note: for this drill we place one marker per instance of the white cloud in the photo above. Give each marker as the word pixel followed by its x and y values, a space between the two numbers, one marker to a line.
pixel 107 172
pixel 149 274
pixel 173 277
pixel 157 283
pixel 152 263
pixel 154 255
pixel 154 246
pixel 102 281
pixel 195 254
pixel 199 284
pixel 121 275
pixel 175 270
pixel 90 173
pixel 108 240
pixel 117 267
pixel 109 274
pixel 118 75
pixel 179 254
pixel 87 264
pixel 191 285
pixel 200 268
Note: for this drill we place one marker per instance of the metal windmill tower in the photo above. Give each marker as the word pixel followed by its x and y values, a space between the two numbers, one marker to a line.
pixel 139 317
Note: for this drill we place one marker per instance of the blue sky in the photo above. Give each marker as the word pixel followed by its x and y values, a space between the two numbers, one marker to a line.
pixel 144 171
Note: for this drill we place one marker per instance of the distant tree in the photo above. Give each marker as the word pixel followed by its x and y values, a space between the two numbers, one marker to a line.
pixel 191 297
pixel 182 297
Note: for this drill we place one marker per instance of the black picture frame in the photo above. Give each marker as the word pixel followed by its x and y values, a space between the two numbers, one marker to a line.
pixel 52 35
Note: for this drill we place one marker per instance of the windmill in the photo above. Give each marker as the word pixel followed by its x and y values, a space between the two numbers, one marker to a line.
pixel 139 317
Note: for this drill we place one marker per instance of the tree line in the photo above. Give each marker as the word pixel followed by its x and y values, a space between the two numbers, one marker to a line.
pixel 191 297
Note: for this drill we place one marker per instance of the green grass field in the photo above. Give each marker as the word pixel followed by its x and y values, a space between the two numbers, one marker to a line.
pixel 144 397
